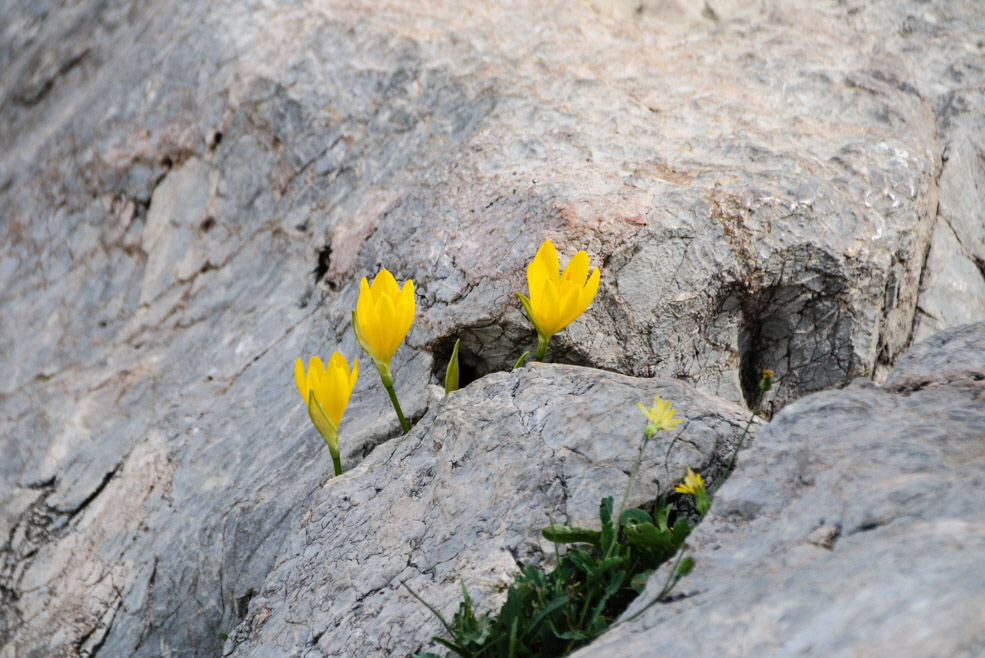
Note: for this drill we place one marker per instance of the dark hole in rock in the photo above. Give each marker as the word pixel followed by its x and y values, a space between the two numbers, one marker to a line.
pixel 750 359
pixel 216 139
pixel 496 348
pixel 243 603
pixel 208 224
pixel 324 261
pixel 470 365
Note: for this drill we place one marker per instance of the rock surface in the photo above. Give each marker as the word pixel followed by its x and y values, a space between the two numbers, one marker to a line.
pixel 190 193
pixel 854 526
pixel 463 497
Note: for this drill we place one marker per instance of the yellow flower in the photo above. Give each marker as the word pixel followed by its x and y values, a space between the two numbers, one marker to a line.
pixel 383 316
pixel 696 487
pixel 556 298
pixel 326 391
pixel 766 383
pixel 692 484
pixel 660 415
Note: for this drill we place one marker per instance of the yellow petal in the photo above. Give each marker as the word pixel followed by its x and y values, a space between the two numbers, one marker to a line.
pixel 366 316
pixel 387 341
pixel 354 375
pixel 320 420
pixel 548 309
pixel 543 267
pixel 588 292
pixel 577 270
pixel 337 393
pixel 405 307
pixel 385 284
pixel 316 370
pixel 570 307
pixel 300 379
pixel 547 259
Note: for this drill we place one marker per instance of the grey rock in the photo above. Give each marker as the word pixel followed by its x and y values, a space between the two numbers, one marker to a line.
pixel 190 193
pixel 953 289
pixel 854 525
pixel 463 498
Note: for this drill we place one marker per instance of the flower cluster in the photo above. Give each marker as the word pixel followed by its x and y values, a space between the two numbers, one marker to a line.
pixel 383 315
pixel 385 312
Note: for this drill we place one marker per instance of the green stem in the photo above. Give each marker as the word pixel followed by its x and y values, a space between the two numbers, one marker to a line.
pixel 541 348
pixel 738 446
pixel 625 494
pixel 337 463
pixel 404 425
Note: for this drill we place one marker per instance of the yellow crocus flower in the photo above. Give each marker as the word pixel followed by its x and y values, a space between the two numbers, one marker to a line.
pixel 557 298
pixel 660 415
pixel 326 391
pixel 384 314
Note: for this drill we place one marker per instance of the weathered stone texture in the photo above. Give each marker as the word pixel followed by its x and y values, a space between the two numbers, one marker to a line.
pixel 190 193
pixel 854 525
pixel 464 496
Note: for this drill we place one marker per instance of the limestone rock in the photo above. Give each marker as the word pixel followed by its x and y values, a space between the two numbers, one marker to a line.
pixel 190 193
pixel 463 497
pixel 854 525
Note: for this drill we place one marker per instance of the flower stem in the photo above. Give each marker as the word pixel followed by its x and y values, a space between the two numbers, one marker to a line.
pixel 541 348
pixel 738 446
pixel 629 485
pixel 404 425
pixel 337 463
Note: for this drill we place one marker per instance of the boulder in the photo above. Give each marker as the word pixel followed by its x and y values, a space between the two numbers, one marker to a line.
pixel 462 499
pixel 191 193
pixel 854 525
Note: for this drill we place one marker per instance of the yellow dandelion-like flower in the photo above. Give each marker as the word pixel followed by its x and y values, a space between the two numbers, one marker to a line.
pixel 660 416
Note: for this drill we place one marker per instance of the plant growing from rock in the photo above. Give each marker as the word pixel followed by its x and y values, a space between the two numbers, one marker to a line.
pixel 556 298
pixel 326 391
pixel 553 613
pixel 383 315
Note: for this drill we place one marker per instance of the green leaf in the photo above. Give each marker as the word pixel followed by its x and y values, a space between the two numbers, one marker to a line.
pixel 685 567
pixel 451 373
pixel 605 511
pixel 460 650
pixel 661 516
pixel 681 530
pixel 546 610
pixel 519 362
pixel 526 307
pixel 566 534
pixel 647 534
pixel 583 560
pixel 611 589
pixel 633 516
pixel 605 565
pixel 638 582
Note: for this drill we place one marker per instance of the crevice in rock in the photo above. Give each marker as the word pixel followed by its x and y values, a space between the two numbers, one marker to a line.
pixel 495 347
pixel 243 603
pixel 32 97
pixel 470 365
pixel 95 492
pixel 322 266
